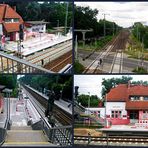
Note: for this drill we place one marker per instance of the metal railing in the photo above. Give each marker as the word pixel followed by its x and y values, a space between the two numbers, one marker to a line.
pixel 12 64
pixel 67 69
pixel 61 135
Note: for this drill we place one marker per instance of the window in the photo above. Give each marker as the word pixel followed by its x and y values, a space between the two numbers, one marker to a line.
pixel 146 98
pixel 116 114
pixel 138 98
pixel 11 20
pixel 145 115
pixel 99 114
pixel 8 20
pixel 15 20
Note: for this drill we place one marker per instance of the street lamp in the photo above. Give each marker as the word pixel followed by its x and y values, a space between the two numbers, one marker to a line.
pixel 89 106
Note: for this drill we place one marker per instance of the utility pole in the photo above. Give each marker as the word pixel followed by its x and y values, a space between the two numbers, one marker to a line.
pixel 66 18
pixel 113 28
pixel 58 24
pixel 104 23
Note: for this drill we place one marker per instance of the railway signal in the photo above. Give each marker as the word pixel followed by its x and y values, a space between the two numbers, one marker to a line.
pixel 76 91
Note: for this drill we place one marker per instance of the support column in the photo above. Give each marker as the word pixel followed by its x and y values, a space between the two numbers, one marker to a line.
pixel 83 33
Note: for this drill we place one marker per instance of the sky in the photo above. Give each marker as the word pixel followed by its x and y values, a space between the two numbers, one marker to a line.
pixel 123 13
pixel 92 83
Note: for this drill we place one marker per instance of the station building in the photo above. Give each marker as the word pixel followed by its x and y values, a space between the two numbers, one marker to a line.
pixel 125 104
pixel 10 21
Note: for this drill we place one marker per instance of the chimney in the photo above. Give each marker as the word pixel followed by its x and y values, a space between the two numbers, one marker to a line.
pixel 129 84
pixel 14 8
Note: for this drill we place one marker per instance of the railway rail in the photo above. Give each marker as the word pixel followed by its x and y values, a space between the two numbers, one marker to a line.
pixel 57 64
pixel 113 140
pixel 59 134
pixel 50 54
pixel 61 115
pixel 117 45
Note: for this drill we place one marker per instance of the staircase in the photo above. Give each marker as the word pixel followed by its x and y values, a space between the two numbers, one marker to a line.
pixel 25 136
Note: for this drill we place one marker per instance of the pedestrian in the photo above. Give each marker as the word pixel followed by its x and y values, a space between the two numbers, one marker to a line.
pixel 89 138
pixel 101 61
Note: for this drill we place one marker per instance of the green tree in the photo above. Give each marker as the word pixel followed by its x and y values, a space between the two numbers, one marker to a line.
pixel 84 99
pixel 107 84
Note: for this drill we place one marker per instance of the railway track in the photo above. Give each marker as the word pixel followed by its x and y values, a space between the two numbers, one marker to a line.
pixel 62 116
pixel 117 46
pixel 50 54
pixel 116 66
pixel 59 63
pixel 112 140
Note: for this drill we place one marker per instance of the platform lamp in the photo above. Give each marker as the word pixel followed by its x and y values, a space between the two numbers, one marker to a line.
pixel 8 92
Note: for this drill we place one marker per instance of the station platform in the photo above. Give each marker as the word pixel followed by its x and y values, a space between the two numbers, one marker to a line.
pixel 36 44
pixel 61 103
pixel 22 134
pixel 124 128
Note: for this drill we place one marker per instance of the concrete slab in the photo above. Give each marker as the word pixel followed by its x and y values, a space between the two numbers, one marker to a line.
pixel 124 128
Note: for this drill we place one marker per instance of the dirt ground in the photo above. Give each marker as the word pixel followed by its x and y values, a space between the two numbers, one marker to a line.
pixel 85 131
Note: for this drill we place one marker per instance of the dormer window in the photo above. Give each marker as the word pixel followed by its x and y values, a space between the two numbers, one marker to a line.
pixel 11 20
pixel 138 98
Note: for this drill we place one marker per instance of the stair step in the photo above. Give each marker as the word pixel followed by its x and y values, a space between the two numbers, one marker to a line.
pixel 16 136
pixel 21 128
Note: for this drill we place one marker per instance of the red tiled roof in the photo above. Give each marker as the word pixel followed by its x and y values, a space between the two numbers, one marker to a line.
pixel 137 105
pixel 7 12
pixel 11 27
pixel 122 93
pixel 118 93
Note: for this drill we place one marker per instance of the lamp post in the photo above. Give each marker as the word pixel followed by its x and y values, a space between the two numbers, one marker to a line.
pixel 89 106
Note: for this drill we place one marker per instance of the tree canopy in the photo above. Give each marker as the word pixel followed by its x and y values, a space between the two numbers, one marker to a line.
pixel 140 32
pixel 107 84
pixel 86 18
pixel 50 82
pixel 52 12
pixel 83 99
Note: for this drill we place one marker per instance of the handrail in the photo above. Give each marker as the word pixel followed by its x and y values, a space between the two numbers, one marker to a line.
pixel 22 61
pixel 5 132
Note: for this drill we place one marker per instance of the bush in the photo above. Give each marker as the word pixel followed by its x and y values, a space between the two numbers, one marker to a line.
pixel 78 68
pixel 139 70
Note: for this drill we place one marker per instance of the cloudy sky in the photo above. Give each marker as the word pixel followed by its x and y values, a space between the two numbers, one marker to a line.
pixel 123 13
pixel 92 83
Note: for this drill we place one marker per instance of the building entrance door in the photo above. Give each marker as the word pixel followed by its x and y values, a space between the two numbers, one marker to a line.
pixel 134 116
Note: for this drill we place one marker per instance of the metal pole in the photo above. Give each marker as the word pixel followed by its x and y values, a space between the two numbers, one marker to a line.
pixel 105 108
pixel 104 24
pixel 89 106
pixel 76 48
pixel 58 23
pixel 113 28
pixel 66 18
